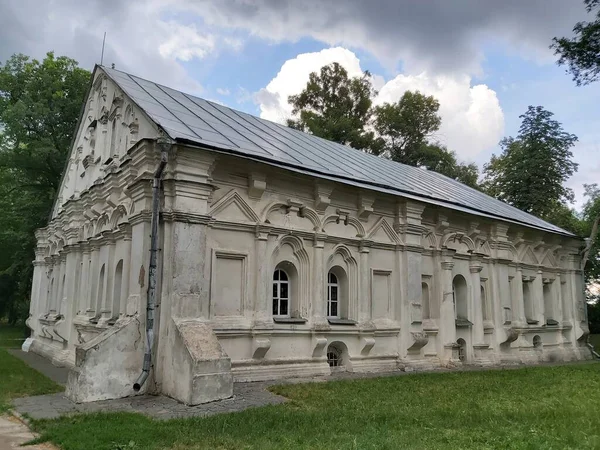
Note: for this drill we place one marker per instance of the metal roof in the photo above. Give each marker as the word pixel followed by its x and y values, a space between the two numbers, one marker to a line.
pixel 197 121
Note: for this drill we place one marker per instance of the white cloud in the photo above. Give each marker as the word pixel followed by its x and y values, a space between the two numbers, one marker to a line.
pixel 472 120
pixel 183 42
pixel 223 91
pixel 293 76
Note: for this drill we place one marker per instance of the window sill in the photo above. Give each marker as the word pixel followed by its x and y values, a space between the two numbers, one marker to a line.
pixel 293 320
pixel 532 322
pixel 341 322
pixel 552 323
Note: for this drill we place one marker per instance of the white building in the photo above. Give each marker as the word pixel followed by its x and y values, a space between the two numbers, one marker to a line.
pixel 278 254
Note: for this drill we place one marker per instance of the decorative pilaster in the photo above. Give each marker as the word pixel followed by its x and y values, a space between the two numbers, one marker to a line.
pixel 84 283
pixel 475 269
pixel 119 309
pixel 262 306
pixel 364 305
pixel 319 296
pixel 110 280
pixel 447 331
pixel 93 279
pixel 518 303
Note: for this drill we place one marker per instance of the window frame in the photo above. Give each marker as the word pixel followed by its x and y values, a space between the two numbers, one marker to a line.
pixel 277 282
pixel 331 285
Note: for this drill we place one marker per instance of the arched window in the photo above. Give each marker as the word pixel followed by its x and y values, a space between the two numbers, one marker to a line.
pixel 51 307
pixel 281 294
pixel 528 303
pixel 333 290
pixel 485 314
pixel 116 306
pixel 113 139
pixel 462 350
pixel 459 288
pixel 100 297
pixel 549 303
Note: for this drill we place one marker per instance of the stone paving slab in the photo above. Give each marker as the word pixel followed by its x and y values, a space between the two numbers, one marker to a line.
pixel 245 395
pixel 14 433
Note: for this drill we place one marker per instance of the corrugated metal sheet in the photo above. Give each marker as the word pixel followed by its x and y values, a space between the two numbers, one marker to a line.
pixel 189 118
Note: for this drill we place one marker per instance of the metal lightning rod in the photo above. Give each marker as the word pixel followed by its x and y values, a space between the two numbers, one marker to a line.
pixel 102 55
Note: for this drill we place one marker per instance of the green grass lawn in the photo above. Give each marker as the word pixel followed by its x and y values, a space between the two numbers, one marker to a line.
pixel 533 408
pixel 12 336
pixel 17 379
pixel 595 341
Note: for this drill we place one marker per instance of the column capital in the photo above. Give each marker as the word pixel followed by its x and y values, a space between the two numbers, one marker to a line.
pixel 475 268
pixel 447 265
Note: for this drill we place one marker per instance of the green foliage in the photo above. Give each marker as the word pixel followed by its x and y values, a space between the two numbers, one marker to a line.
pixel 441 160
pixel 593 313
pixel 590 214
pixel 405 126
pixel 531 408
pixel 581 54
pixel 531 171
pixel 39 108
pixel 335 107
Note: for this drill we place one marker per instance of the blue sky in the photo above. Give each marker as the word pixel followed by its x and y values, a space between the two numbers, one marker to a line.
pixel 485 61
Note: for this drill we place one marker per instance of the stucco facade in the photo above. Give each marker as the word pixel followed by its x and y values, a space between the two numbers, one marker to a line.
pixel 266 273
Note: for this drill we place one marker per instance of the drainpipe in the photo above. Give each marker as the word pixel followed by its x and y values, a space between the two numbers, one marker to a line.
pixel 593 350
pixel 165 146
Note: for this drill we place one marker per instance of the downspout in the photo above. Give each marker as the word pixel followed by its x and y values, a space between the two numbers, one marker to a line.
pixel 165 146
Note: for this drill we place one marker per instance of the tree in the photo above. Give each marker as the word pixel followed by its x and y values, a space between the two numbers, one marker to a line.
pixel 438 158
pixel 335 107
pixel 582 53
pixel 406 125
pixel 40 104
pixel 531 171
pixel 591 219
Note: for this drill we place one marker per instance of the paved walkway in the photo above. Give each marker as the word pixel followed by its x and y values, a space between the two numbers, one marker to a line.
pixel 43 365
pixel 245 395
pixel 13 434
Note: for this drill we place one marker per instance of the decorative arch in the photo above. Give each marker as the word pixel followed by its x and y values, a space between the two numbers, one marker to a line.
pixel 345 267
pixel 234 198
pixel 89 228
pixel 271 208
pixel 289 253
pixel 102 224
pixel 461 238
pixel 460 290
pixel 117 216
pixel 302 211
pixel 311 215
pixel 355 223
